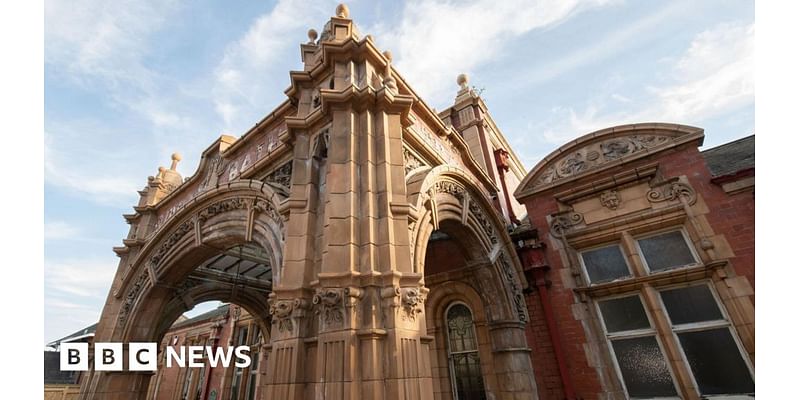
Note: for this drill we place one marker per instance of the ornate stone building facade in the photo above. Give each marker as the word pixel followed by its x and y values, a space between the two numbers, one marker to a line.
pixel 377 248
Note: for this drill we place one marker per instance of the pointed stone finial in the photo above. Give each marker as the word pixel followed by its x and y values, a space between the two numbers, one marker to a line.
pixel 388 55
pixel 312 36
pixel 462 81
pixel 342 11
pixel 160 172
pixel 176 157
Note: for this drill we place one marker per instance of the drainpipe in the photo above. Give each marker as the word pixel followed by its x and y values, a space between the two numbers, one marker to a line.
pixel 501 161
pixel 532 256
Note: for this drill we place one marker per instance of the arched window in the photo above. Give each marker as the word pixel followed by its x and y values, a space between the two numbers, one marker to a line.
pixel 462 353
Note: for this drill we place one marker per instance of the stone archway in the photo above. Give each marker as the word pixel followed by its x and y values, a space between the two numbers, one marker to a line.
pixel 489 278
pixel 170 274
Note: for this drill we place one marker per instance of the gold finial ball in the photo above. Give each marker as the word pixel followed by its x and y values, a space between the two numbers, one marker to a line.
pixel 388 55
pixel 312 35
pixel 342 11
pixel 462 80
pixel 176 156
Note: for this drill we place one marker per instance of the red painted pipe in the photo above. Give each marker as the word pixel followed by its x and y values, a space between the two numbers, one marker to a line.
pixel 536 264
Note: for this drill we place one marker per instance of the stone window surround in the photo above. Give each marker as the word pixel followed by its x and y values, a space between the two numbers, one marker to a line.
pixel 629 246
pixel 651 331
pixel 250 324
pixel 649 294
pixel 647 285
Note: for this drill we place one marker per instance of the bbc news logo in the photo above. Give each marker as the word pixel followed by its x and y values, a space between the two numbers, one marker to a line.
pixel 144 356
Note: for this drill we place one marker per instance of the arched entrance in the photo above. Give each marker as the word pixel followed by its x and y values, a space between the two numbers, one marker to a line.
pixel 225 245
pixel 468 262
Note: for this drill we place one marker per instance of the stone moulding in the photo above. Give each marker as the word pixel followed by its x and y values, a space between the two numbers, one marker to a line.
pixel 603 149
pixel 282 311
pixel 131 296
pixel 671 189
pixel 564 221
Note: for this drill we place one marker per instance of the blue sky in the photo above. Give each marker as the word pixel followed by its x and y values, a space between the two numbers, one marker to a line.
pixel 129 82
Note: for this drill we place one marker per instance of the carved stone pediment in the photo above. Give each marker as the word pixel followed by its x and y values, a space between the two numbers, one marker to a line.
pixel 602 149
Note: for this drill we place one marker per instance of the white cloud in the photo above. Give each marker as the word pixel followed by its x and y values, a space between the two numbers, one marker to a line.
pixel 437 40
pixel 246 79
pixel 95 39
pixel 84 278
pixel 104 185
pixel 57 230
pixel 715 75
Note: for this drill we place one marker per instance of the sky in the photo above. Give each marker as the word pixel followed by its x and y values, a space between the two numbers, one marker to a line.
pixel 127 83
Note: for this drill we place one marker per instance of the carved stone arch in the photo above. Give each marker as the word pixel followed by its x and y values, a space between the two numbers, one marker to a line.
pixel 253 301
pixel 465 201
pixel 235 214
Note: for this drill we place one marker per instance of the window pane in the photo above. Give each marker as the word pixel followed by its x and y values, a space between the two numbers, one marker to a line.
pixel 715 360
pixel 690 304
pixel 460 329
pixel 643 367
pixel 467 373
pixel 668 250
pixel 624 314
pixel 605 264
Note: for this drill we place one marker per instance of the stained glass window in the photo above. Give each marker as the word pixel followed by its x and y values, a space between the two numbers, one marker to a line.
pixel 465 363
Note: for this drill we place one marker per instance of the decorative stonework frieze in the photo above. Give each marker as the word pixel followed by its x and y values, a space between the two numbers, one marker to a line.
pixel 171 240
pixel 410 161
pixel 329 304
pixel 220 207
pixel 514 288
pixel 595 155
pixel 282 176
pixel 282 311
pixel 449 187
pixel 131 296
pixel 483 220
pixel 562 222
pixel 610 199
pixel 332 305
pixel 672 190
pixel 412 300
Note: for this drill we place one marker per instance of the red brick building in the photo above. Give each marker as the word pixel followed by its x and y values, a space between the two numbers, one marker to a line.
pixel 641 253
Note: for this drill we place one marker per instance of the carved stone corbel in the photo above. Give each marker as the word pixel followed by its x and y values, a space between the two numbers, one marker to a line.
pixel 564 221
pixel 284 312
pixel 672 190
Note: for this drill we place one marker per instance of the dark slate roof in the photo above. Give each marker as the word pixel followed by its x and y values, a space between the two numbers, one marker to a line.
pixel 52 370
pixel 85 331
pixel 206 316
pixel 732 157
